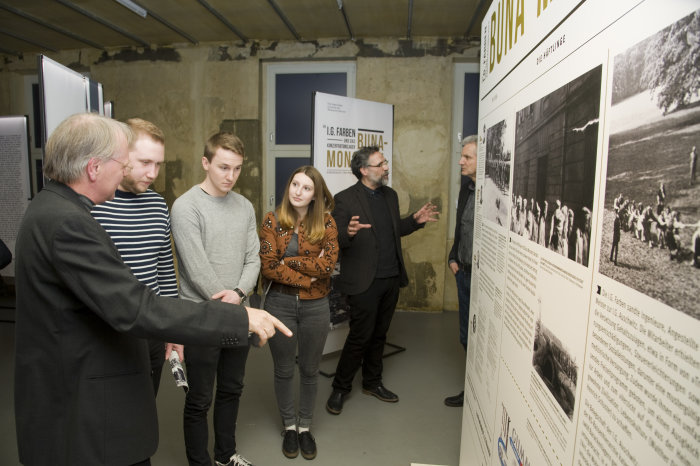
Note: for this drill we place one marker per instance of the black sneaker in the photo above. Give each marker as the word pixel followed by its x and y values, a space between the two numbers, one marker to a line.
pixel 307 443
pixel 455 401
pixel 290 444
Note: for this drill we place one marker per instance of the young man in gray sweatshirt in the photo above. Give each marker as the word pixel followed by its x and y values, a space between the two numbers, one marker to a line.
pixel 217 246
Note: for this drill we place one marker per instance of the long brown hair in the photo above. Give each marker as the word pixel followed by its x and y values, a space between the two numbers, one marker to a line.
pixel 322 203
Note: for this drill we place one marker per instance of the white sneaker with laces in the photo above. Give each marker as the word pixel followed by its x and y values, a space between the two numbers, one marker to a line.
pixel 236 460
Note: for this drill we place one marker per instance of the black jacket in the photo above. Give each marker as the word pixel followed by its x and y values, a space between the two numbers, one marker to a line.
pixel 83 390
pixel 358 260
pixel 465 190
pixel 5 255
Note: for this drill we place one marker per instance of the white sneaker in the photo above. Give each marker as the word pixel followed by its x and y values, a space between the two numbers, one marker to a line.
pixel 236 460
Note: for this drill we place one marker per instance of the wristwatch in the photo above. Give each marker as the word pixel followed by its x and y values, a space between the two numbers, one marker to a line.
pixel 240 293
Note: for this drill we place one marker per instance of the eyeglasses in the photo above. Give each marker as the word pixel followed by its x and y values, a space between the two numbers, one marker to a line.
pixel 382 164
pixel 126 166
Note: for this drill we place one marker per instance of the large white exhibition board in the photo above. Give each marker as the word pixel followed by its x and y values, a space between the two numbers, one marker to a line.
pixel 341 126
pixel 584 339
pixel 64 93
pixel 15 186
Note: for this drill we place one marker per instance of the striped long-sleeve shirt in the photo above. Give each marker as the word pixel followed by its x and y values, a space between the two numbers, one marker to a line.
pixel 139 225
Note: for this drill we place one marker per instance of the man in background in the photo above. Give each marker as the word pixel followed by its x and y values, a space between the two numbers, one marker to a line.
pixel 460 258
pixel 693 165
pixel 83 390
pixel 371 271
pixel 217 243
pixel 138 221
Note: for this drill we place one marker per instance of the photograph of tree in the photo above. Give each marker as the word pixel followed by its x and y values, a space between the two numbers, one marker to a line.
pixel 651 222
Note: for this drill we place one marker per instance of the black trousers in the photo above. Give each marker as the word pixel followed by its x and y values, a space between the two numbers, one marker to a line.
pixel 207 368
pixel 370 317
pixel 157 352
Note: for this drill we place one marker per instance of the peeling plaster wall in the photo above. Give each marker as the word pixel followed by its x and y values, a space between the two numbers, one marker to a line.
pixel 11 94
pixel 189 100
pixel 421 91
pixel 5 89
pixel 189 91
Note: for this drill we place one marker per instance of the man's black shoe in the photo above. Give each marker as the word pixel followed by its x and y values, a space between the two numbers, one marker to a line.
pixel 308 445
pixel 334 405
pixel 382 393
pixel 290 444
pixel 455 401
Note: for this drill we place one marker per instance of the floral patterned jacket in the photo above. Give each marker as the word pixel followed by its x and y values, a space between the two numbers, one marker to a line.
pixel 297 271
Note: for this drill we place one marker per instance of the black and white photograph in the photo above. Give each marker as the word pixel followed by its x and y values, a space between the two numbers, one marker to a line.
pixel 555 367
pixel 497 174
pixel 651 221
pixel 554 165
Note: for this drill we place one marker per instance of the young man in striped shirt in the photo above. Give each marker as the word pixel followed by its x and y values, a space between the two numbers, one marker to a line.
pixel 138 222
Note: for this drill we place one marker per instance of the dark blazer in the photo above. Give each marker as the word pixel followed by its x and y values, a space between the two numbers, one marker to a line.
pixel 358 262
pixel 465 190
pixel 83 392
pixel 5 255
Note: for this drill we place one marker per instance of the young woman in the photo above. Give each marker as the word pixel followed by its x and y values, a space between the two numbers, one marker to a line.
pixel 298 251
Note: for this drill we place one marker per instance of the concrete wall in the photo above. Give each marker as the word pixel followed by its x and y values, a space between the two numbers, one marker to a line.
pixel 191 91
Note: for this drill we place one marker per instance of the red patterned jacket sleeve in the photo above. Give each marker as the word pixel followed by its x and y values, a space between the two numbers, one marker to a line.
pixel 298 270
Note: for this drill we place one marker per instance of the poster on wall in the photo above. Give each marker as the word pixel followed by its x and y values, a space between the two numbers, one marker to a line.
pixel 584 343
pixel 341 126
pixel 15 179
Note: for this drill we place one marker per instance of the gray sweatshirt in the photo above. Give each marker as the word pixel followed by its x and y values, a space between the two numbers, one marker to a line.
pixel 216 242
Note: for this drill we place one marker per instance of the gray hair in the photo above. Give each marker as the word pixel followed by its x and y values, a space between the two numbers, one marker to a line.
pixel 471 139
pixel 79 138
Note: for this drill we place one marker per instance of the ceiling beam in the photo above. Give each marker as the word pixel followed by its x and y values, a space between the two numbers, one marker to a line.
pixel 221 18
pixel 171 26
pixel 53 27
pixel 284 19
pixel 27 40
pixel 103 22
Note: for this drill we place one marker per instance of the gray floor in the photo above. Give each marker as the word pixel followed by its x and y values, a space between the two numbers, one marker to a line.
pixel 417 429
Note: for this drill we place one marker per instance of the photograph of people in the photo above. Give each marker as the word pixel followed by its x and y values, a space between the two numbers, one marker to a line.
pixel 556 150
pixel 652 208
pixel 298 252
pixel 497 173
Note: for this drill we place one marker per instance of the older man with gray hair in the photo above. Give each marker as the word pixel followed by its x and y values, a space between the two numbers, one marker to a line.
pixel 460 259
pixel 83 390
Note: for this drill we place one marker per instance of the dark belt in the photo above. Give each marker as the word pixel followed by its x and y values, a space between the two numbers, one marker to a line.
pixel 284 289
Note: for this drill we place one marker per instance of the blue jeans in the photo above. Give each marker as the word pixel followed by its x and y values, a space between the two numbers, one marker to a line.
pixel 464 285
pixel 309 320
pixel 204 363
